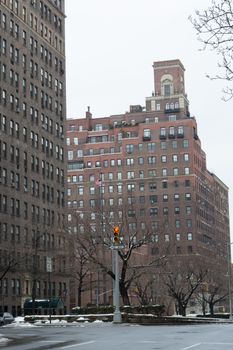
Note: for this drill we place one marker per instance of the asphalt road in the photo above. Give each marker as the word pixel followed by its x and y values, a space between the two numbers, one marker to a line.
pixel 104 336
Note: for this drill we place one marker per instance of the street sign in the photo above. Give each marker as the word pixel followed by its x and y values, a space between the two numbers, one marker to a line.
pixel 118 246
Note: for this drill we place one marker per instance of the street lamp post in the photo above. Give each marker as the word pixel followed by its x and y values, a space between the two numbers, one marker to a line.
pixel 117 313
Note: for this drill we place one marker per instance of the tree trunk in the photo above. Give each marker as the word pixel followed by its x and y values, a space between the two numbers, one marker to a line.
pixel 79 296
pixel 181 309
pixel 124 294
pixel 211 305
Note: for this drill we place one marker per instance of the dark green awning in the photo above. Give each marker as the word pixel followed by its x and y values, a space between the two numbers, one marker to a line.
pixel 54 303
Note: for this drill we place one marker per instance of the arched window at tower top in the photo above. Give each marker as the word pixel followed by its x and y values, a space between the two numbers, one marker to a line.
pixel 167 85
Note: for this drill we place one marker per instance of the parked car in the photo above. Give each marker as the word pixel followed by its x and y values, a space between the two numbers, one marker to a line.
pixel 6 318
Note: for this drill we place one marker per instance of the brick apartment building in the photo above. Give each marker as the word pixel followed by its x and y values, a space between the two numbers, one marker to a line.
pixel 32 152
pixel 151 158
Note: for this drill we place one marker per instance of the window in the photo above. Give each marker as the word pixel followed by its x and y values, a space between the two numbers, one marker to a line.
pixel 175 158
pixel 119 188
pixel 153 211
pixel 131 187
pixel 176 197
pixel 186 157
pixel 146 134
pixel 129 161
pixel 165 211
pixel 188 210
pixel 163 145
pixel 140 147
pixel 175 171
pixel 177 223
pixel 180 130
pixel 178 236
pixel 151 160
pixel 141 187
pixel 185 143
pixel 164 184
pixel 80 190
pixel 119 176
pixel 189 236
pixel 162 132
pixel 152 186
pixel 151 147
pixel 177 210
pixel 189 223
pixel 110 176
pixel 171 130
pixel 141 174
pixel 130 174
pixel 129 148
pixel 164 159
pixel 110 189
pixel 140 160
pixel 186 171
pixel 165 198
pixel 153 199
pixel 174 144
pixel 166 238
pixel 92 190
pixel 70 155
pixel 188 196
pixel 164 172
pixel 119 162
pixel 152 173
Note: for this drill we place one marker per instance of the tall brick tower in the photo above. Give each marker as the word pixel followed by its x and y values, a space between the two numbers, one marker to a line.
pixel 32 151
pixel 169 88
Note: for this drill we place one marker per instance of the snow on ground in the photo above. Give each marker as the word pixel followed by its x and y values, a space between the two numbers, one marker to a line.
pixel 3 341
pixel 19 322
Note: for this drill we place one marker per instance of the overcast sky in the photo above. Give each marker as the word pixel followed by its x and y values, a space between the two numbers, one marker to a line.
pixel 110 48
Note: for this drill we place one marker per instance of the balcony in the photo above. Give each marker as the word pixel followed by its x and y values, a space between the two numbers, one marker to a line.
pixel 171 136
pixel 174 110
pixel 180 135
pixel 162 136
pixel 146 137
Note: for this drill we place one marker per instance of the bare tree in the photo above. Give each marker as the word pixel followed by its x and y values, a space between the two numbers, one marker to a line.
pixel 181 284
pixel 214 27
pixel 97 240
pixel 10 263
pixel 79 266
pixel 212 291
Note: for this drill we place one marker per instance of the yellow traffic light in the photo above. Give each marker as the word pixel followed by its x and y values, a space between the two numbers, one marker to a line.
pixel 116 234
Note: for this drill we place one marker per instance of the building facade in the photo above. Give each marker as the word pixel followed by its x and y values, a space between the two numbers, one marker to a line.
pixel 151 159
pixel 32 152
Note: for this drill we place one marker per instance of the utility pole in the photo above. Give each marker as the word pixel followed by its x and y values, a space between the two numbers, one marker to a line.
pixel 117 244
pixel 117 313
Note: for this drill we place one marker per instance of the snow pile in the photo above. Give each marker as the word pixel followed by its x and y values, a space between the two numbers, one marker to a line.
pixel 19 322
